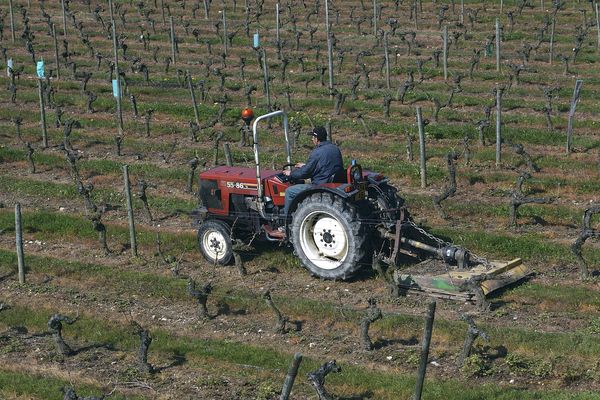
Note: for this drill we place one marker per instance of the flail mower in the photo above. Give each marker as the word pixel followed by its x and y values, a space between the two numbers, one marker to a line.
pixel 336 227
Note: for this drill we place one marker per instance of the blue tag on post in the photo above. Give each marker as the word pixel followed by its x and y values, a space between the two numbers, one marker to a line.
pixel 40 69
pixel 9 66
pixel 115 83
pixel 256 43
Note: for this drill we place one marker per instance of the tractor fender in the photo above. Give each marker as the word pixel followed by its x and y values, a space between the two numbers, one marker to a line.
pixel 338 191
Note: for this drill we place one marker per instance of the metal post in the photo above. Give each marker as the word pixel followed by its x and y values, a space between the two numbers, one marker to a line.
pixel 501 6
pixel 498 125
pixel 462 11
pixel 43 114
pixel 205 9
pixel 552 39
pixel 498 44
pixel 193 94
pixel 277 24
pixel 227 152
pixel 574 99
pixel 416 7
pixel 118 78
pixel 12 20
pixel 291 377
pixel 597 23
pixel 387 60
pixel 329 49
pixel 423 163
pixel 64 15
pixel 445 55
pixel 425 350
pixel 266 77
pixel 375 18
pixel 224 32
pixel 173 53
pixel 56 59
pixel 19 239
pixel 130 211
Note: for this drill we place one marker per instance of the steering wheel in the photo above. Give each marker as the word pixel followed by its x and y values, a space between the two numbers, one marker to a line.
pixel 281 176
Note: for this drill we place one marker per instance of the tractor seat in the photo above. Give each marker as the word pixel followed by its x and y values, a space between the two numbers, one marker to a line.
pixel 338 177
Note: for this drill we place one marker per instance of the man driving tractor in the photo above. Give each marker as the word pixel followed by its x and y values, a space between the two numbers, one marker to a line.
pixel 324 163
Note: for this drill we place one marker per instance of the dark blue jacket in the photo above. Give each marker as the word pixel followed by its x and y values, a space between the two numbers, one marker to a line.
pixel 324 161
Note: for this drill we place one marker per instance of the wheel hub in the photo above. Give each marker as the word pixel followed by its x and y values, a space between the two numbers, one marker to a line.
pixel 329 238
pixel 214 244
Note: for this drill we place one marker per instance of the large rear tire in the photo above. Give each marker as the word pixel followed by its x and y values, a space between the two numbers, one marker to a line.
pixel 328 237
pixel 214 241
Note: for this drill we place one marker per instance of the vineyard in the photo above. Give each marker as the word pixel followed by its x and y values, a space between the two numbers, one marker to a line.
pixel 99 99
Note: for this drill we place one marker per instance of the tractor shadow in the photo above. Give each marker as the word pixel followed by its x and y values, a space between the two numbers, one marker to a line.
pixel 83 349
pixel 365 395
pixel 225 309
pixel 177 360
pixel 8 275
pixel 381 343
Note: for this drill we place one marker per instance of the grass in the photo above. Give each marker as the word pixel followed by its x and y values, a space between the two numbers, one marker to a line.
pixel 571 178
pixel 199 352
pixel 46 387
pixel 155 285
pixel 46 226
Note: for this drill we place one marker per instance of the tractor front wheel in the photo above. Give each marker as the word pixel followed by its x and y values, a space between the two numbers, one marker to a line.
pixel 214 240
pixel 328 236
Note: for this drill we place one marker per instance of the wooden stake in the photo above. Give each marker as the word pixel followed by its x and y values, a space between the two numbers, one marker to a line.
pixel 329 49
pixel 425 350
pixel 224 32
pixel 64 16
pixel 19 238
pixel 498 44
pixel 387 60
pixel 193 94
pixel 56 59
pixel 462 11
pixel 574 99
pixel 423 163
pixel 43 114
pixel 266 79
pixel 227 152
pixel 173 52
pixel 552 39
pixel 498 125
pixel 291 377
pixel 129 211
pixel 12 20
pixel 445 55
pixel 162 9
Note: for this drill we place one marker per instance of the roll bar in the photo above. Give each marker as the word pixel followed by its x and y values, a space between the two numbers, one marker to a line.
pixel 256 158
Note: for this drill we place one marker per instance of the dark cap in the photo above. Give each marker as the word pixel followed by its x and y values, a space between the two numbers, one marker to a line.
pixel 320 133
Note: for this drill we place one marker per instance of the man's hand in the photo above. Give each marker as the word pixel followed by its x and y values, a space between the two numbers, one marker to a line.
pixel 299 165
pixel 286 172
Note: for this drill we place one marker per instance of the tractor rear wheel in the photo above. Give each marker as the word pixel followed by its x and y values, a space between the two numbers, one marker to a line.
pixel 328 237
pixel 214 240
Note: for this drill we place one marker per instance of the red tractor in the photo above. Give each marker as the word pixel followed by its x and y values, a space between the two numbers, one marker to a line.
pixel 333 227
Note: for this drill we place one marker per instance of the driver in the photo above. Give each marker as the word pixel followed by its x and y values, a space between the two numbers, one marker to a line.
pixel 324 162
